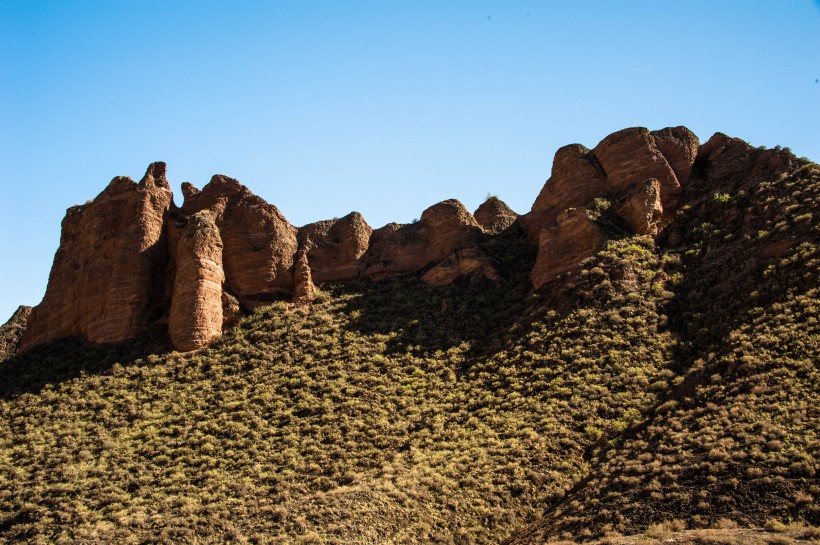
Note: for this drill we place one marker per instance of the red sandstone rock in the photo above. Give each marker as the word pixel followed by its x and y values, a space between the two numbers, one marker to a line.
pixel 259 243
pixel 196 317
pixel 576 179
pixel 494 216
pixel 461 263
pixel 630 156
pixel 107 272
pixel 335 247
pixel 642 208
pixel 303 292
pixel 679 146
pixel 560 248
pixel 395 249
pixel 231 311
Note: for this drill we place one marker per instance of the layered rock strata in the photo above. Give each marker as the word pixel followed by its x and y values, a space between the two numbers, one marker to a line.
pixel 619 170
pixel 107 272
pixel 259 243
pixel 196 317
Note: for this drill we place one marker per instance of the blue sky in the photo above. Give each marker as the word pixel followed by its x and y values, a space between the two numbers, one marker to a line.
pixel 381 107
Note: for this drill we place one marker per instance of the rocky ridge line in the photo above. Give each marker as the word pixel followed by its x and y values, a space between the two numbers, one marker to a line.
pixel 131 257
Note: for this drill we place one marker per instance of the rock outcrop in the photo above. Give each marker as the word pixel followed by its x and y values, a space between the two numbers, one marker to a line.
pixel 335 247
pixel 732 161
pixel 131 257
pixel 644 171
pixel 494 216
pixel 107 272
pixel 462 263
pixel 259 243
pixel 576 178
pixel 560 248
pixel 443 229
pixel 196 317
pixel 12 330
pixel 642 209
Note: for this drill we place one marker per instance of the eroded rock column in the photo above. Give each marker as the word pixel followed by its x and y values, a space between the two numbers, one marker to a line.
pixel 195 317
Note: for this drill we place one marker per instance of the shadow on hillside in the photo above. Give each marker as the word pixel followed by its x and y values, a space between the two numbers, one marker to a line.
pixel 65 359
pixel 422 318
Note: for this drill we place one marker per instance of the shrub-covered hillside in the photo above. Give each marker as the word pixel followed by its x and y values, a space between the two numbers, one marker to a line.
pixel 670 379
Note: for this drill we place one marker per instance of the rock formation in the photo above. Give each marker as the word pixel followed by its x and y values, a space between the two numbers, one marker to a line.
pixel 196 317
pixel 618 169
pixel 444 228
pixel 642 209
pixel 576 179
pixel 494 216
pixel 12 330
pixel 131 257
pixel 560 248
pixel 462 263
pixel 259 243
pixel 107 273
pixel 335 247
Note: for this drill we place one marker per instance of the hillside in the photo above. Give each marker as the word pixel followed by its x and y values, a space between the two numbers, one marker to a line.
pixel 669 373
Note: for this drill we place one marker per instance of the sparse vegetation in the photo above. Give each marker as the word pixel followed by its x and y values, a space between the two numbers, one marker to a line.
pixel 656 388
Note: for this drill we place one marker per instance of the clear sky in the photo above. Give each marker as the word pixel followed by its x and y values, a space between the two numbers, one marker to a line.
pixel 381 107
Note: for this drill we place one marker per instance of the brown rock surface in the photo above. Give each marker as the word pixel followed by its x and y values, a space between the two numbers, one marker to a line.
pixel 576 178
pixel 560 248
pixel 395 249
pixel 259 243
pixel 107 271
pixel 734 162
pixel 231 311
pixel 494 215
pixel 335 247
pixel 642 208
pixel 630 156
pixel 303 291
pixel 196 317
pixel 461 263
pixel 12 330
pixel 679 146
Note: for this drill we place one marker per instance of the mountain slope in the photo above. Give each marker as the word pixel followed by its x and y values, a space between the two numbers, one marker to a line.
pixel 669 377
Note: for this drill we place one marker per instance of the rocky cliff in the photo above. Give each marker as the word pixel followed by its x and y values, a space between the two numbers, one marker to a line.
pixel 131 257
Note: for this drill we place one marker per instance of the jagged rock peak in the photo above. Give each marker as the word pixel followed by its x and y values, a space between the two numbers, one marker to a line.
pixel 189 191
pixel 155 176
